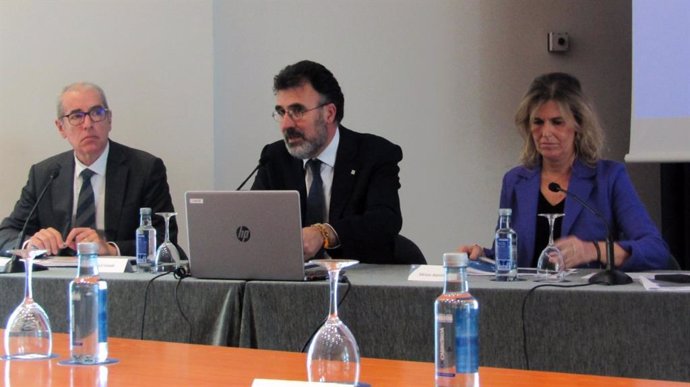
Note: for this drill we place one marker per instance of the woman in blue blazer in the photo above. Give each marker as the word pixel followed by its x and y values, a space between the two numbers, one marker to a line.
pixel 562 144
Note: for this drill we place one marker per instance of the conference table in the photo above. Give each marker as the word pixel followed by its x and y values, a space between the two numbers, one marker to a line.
pixel 155 363
pixel 623 331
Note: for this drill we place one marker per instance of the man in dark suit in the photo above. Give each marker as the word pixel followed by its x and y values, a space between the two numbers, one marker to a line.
pixel 357 211
pixel 123 180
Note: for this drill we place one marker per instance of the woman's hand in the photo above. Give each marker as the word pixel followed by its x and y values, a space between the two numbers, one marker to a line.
pixel 473 251
pixel 576 252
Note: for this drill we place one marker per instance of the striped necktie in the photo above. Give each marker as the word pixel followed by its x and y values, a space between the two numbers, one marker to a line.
pixel 86 204
pixel 316 201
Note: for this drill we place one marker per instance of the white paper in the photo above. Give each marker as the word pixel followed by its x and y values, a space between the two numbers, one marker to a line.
pixel 647 280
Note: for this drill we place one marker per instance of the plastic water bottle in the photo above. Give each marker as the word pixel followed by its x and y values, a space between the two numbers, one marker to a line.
pixel 505 247
pixel 456 335
pixel 146 241
pixel 88 309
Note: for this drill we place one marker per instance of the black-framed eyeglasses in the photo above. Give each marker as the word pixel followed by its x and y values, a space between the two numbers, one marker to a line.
pixel 294 112
pixel 97 114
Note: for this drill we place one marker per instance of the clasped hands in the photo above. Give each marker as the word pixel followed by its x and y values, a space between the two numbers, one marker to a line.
pixel 50 239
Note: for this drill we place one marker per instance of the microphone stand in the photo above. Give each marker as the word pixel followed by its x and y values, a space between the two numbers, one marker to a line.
pixel 608 276
pixel 12 266
pixel 262 161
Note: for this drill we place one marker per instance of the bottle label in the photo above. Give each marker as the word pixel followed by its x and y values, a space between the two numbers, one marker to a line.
pixel 102 312
pixel 467 340
pixel 444 348
pixel 504 254
pixel 142 247
pixel 444 318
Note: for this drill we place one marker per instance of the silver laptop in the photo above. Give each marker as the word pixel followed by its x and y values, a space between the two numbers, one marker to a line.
pixel 245 235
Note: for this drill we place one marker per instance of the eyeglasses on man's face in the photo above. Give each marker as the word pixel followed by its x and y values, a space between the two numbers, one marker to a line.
pixel 294 112
pixel 96 114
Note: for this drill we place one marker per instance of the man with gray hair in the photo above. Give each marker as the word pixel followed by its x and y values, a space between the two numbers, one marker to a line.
pixel 96 188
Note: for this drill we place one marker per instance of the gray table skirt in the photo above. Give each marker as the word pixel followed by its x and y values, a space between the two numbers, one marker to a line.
pixel 212 307
pixel 620 331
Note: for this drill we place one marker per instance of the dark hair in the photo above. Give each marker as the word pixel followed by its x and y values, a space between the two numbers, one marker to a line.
pixel 565 90
pixel 320 78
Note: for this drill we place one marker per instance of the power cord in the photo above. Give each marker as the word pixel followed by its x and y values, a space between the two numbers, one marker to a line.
pixel 180 273
pixel 146 296
pixel 347 290
pixel 524 303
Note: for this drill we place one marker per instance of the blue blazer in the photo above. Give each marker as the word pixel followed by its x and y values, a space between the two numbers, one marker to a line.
pixel 606 188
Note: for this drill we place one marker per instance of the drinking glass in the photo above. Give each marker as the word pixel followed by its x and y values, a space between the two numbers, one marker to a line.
pixel 333 355
pixel 167 255
pixel 28 335
pixel 550 267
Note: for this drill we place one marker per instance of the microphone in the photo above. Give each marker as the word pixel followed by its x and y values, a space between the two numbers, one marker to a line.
pixel 262 162
pixel 608 276
pixel 12 265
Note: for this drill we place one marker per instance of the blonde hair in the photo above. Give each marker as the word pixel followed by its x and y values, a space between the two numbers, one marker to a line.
pixel 564 89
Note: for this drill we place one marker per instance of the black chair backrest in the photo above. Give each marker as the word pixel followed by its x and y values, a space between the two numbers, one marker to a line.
pixel 407 252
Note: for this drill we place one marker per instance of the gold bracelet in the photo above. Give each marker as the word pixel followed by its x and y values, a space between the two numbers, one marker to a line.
pixel 324 233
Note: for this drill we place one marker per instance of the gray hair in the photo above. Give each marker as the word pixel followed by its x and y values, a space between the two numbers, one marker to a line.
pixel 80 86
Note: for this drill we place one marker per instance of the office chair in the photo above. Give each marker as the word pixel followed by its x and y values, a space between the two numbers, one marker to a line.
pixel 407 252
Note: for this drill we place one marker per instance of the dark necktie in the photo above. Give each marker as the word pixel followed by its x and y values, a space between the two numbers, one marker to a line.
pixel 86 204
pixel 316 202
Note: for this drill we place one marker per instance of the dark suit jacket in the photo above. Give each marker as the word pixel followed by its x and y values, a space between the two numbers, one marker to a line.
pixel 365 206
pixel 134 179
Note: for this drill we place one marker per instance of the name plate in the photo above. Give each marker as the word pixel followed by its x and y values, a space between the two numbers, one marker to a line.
pixel 296 383
pixel 106 264
pixel 428 273
pixel 114 265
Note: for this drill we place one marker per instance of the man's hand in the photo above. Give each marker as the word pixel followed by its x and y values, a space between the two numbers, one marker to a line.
pixel 48 239
pixel 83 234
pixel 312 241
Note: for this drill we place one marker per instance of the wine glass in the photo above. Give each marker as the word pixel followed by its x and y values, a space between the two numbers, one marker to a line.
pixel 167 255
pixel 333 355
pixel 551 267
pixel 28 335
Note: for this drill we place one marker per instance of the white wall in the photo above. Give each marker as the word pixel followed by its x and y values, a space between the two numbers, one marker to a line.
pixel 191 82
pixel 440 78
pixel 153 58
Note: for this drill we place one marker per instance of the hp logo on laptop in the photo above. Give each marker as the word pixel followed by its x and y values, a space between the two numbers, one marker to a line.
pixel 243 233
